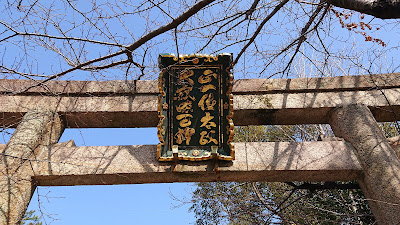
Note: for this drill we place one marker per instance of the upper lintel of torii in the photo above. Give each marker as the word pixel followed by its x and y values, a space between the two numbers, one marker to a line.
pixel 256 101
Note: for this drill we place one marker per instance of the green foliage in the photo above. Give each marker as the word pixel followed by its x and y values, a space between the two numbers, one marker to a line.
pixel 277 133
pixel 31 219
pixel 389 129
pixel 239 203
pixel 268 203
pixel 227 202
pixel 320 206
pixel 263 133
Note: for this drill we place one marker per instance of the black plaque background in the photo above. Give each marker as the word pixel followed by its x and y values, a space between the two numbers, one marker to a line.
pixel 223 109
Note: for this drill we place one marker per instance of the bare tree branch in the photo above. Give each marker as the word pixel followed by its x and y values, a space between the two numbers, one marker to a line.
pixel 277 8
pixel 61 38
pixel 186 15
pixel 173 24
pixel 303 37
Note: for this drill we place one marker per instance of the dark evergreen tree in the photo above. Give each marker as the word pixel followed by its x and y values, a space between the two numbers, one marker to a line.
pixel 279 203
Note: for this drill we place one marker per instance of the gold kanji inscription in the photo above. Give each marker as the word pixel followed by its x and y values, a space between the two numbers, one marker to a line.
pixel 185 76
pixel 207 137
pixel 207 102
pixel 207 87
pixel 207 77
pixel 206 120
pixel 184 120
pixel 184 135
pixel 183 93
pixel 184 107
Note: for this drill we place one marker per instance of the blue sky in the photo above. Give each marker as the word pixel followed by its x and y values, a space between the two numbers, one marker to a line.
pixel 153 203
pixel 116 204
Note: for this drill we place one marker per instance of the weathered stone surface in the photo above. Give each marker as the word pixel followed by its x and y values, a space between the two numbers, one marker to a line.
pixel 81 88
pixel 381 166
pixel 267 161
pixel 87 104
pixel 243 86
pixel 343 83
pixel 395 144
pixel 140 110
pixel 37 130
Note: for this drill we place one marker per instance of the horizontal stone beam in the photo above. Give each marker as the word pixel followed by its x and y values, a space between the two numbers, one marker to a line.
pixel 258 161
pixel 140 110
pixel 91 104
pixel 241 86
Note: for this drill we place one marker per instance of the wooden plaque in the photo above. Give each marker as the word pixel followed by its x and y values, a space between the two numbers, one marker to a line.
pixel 195 107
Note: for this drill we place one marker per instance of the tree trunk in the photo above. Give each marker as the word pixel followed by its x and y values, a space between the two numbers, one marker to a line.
pixel 384 9
pixel 37 131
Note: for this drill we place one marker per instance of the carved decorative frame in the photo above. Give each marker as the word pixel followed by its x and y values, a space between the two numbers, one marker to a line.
pixel 184 80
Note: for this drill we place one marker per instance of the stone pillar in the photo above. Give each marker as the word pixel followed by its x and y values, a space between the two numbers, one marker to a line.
pixel 38 130
pixel 381 177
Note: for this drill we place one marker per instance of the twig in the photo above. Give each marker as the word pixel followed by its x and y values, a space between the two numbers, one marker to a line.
pixel 303 31
pixel 277 8
pixel 173 24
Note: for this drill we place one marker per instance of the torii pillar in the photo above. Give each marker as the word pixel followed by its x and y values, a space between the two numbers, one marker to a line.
pixel 38 130
pixel 381 177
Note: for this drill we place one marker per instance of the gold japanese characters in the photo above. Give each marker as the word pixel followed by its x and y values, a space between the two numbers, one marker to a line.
pixel 195 107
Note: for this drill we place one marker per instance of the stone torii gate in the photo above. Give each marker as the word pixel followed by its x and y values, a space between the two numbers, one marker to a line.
pixel 351 105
